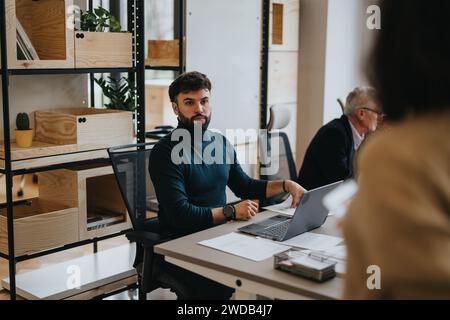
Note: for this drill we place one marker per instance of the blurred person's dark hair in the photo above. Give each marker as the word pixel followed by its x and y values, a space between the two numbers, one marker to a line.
pixel 410 64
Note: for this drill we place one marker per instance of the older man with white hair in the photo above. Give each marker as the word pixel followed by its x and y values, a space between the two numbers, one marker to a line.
pixel 329 157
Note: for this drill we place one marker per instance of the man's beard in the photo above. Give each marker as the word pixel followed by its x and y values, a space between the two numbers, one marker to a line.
pixel 189 123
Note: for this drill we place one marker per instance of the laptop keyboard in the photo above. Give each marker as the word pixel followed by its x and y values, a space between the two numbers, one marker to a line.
pixel 278 230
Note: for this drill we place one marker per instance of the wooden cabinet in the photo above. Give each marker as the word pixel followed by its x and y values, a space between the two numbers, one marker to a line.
pixel 40 224
pixel 163 53
pixel 96 127
pixel 45 23
pixel 103 50
pixel 95 192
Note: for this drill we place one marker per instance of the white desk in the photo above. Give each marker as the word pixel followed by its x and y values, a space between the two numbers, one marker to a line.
pixel 247 277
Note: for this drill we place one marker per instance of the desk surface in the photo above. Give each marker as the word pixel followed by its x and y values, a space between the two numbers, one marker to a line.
pixel 187 250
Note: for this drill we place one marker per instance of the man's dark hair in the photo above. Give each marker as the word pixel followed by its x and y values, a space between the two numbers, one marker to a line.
pixel 190 81
pixel 410 64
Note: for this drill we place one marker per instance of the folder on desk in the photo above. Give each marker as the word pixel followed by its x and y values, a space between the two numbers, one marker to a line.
pixel 312 265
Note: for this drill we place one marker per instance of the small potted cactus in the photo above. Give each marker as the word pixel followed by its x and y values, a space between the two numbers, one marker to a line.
pixel 24 135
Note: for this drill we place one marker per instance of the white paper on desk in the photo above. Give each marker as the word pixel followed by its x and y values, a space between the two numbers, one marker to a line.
pixel 283 208
pixel 313 241
pixel 244 246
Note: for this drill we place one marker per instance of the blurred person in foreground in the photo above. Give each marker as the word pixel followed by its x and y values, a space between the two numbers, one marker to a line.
pixel 398 224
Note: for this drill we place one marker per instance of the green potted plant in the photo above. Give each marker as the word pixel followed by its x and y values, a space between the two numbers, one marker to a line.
pixel 100 41
pixel 120 92
pixel 24 134
pixel 99 20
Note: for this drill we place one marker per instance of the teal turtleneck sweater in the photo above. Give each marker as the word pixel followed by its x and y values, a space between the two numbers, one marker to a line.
pixel 187 191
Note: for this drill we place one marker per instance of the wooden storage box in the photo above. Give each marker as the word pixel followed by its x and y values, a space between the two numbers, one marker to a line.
pixel 45 24
pixel 94 190
pixel 97 127
pixel 163 53
pixel 103 50
pixel 39 226
pixel 158 108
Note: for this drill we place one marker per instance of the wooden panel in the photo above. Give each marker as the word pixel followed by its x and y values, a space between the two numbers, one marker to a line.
pixel 103 127
pixel 277 23
pixel 103 192
pixel 45 23
pixel 155 101
pixel 108 129
pixel 163 53
pixel 41 226
pixel 45 26
pixel 290 22
pixel 59 186
pixel 103 49
pixel 55 128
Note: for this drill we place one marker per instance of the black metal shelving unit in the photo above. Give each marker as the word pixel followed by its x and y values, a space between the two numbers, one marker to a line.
pixel 264 63
pixel 135 10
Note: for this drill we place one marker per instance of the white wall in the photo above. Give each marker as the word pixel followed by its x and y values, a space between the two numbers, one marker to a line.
pixel 313 30
pixel 283 66
pixel 342 71
pixel 334 42
pixel 223 40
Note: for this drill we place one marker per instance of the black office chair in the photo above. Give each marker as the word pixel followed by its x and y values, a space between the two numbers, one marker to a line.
pixel 275 149
pixel 341 104
pixel 130 164
pixel 276 158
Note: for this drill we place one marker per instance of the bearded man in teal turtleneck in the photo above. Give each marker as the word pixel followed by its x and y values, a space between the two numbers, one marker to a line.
pixel 191 193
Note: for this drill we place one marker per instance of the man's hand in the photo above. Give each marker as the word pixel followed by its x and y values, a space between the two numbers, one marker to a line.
pixel 296 192
pixel 245 210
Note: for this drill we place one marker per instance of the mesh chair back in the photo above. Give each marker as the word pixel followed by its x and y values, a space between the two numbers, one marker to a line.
pixel 130 164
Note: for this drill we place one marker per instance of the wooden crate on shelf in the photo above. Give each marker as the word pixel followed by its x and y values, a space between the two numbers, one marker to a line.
pixel 97 127
pixel 94 190
pixel 163 53
pixel 103 50
pixel 41 225
pixel 45 24
pixel 45 154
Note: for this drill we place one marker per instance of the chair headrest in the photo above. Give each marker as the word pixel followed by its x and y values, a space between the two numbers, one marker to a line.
pixel 280 116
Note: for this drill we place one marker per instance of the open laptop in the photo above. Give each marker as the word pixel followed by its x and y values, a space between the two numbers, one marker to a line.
pixel 310 214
